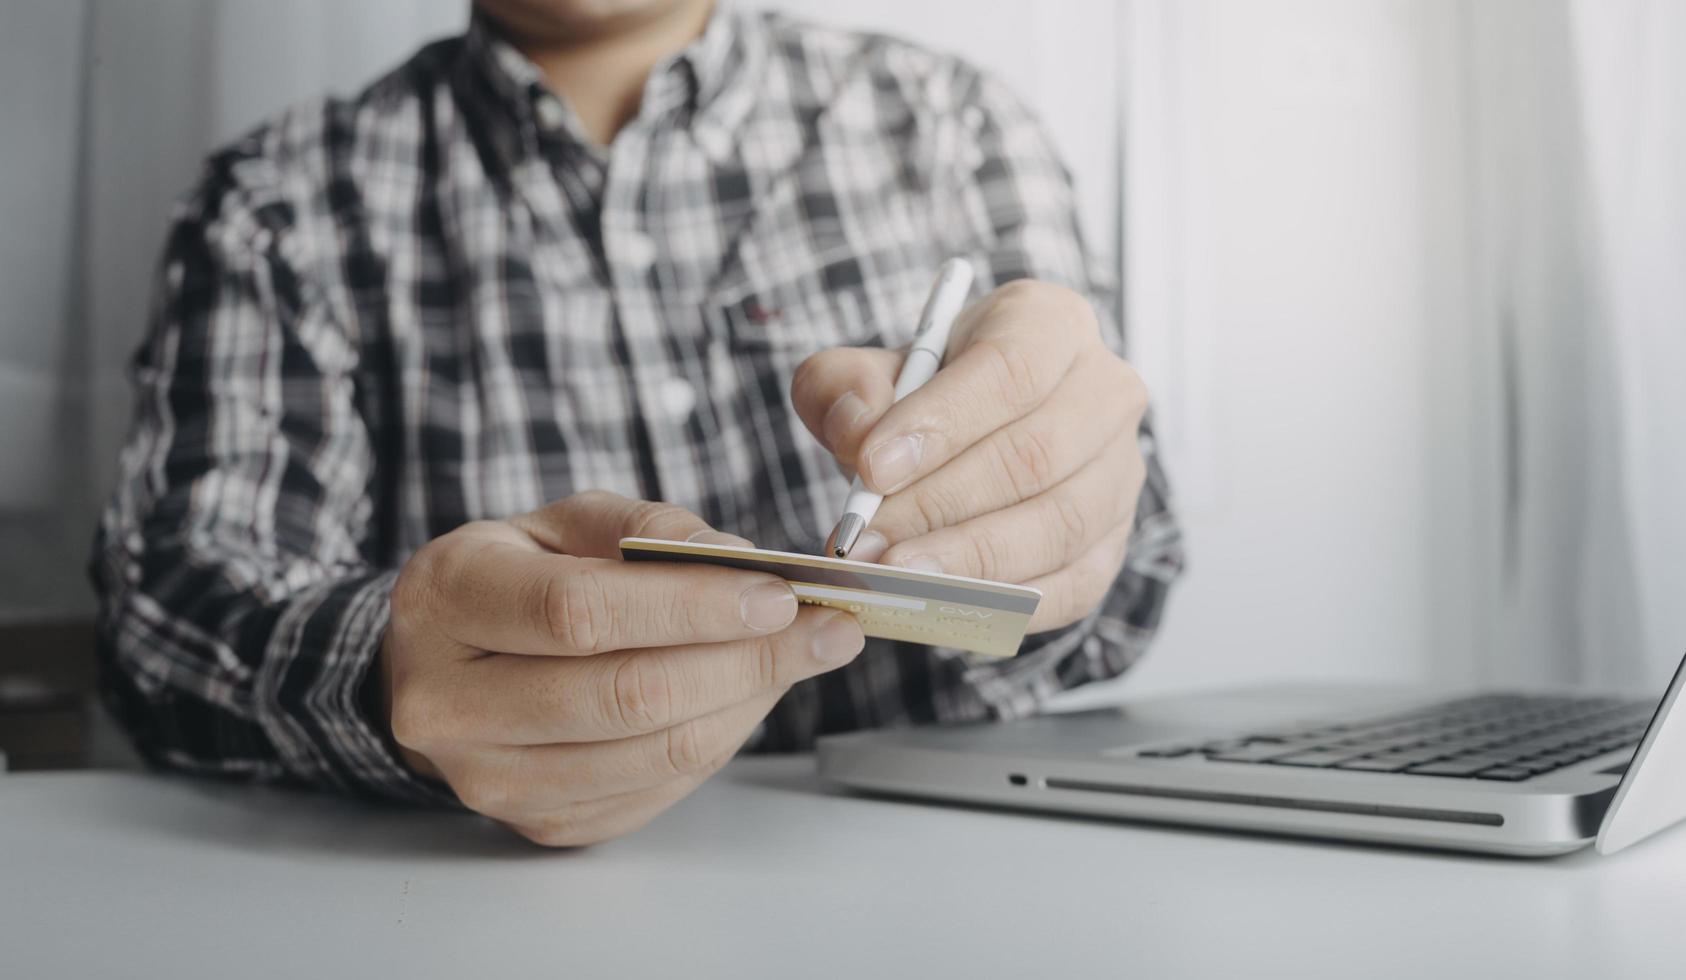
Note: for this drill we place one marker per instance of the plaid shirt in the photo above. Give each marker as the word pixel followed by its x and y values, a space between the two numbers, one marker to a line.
pixel 380 318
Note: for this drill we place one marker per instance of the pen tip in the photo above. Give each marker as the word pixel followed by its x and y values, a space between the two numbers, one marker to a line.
pixel 843 539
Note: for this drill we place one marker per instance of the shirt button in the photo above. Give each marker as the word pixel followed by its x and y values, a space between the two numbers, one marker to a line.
pixel 677 398
pixel 638 251
pixel 550 112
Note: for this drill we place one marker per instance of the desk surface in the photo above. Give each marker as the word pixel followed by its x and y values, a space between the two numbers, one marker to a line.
pixel 765 872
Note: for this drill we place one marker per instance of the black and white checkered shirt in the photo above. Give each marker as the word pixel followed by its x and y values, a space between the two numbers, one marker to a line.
pixel 380 318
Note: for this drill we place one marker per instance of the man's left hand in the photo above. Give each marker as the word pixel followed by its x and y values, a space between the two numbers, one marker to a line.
pixel 1017 462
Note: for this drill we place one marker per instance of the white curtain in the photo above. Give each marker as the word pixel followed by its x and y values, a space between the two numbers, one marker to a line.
pixel 1289 199
pixel 1579 194
pixel 1408 278
pixel 1631 62
pixel 40 359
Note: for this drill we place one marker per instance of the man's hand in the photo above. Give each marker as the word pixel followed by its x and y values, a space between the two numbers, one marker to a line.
pixel 572 696
pixel 1017 462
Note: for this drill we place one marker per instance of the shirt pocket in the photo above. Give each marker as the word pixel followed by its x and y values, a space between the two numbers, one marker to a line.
pixel 848 298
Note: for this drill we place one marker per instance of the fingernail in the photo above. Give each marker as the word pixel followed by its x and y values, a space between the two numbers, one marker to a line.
pixel 841 418
pixel 869 547
pixel 837 642
pixel 719 537
pixel 768 606
pixel 892 464
pixel 918 563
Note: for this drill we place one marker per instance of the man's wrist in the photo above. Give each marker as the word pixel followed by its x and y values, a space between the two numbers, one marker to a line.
pixel 378 699
pixel 313 690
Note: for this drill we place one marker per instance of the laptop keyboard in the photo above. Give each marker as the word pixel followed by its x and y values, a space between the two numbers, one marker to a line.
pixel 1507 737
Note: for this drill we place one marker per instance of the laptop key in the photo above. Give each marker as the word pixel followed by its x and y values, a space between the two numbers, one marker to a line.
pixel 1451 767
pixel 1412 757
pixel 1166 752
pixel 1483 760
pixel 1256 752
pixel 1374 764
pixel 1225 745
pixel 1509 774
pixel 1314 759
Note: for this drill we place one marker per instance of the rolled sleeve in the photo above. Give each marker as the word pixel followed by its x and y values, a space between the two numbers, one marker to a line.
pixel 243 604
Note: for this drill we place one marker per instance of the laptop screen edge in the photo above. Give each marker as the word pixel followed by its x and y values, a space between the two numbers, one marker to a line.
pixel 1646 799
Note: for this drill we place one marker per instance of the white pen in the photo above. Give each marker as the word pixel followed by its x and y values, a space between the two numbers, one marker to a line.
pixel 930 343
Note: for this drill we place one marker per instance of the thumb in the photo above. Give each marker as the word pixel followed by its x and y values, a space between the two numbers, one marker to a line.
pixel 591 524
pixel 839 393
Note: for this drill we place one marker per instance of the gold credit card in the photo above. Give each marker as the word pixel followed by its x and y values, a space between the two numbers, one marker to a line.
pixel 892 603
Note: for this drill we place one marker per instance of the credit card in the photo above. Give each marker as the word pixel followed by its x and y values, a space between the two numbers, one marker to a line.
pixel 892 603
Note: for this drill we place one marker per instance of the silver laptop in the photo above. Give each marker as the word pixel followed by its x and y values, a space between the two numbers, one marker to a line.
pixel 1509 773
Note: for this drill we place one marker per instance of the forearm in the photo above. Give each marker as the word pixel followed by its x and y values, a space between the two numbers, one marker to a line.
pixel 241 606
pixel 213 671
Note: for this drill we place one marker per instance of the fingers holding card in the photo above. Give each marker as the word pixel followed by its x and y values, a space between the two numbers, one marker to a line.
pixel 987 618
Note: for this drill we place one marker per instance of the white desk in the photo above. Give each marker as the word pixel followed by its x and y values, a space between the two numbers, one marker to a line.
pixel 765 873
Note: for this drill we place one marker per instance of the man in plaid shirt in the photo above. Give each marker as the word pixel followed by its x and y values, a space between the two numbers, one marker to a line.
pixel 420 358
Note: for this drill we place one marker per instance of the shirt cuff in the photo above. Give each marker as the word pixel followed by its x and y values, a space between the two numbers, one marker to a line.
pixel 310 692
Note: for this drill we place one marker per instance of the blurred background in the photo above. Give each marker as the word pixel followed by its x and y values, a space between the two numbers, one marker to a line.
pixel 1406 277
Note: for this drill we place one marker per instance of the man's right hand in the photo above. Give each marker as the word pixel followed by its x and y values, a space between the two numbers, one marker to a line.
pixel 573 696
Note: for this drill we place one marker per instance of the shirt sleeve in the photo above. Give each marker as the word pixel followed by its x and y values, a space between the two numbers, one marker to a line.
pixel 1016 201
pixel 239 615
